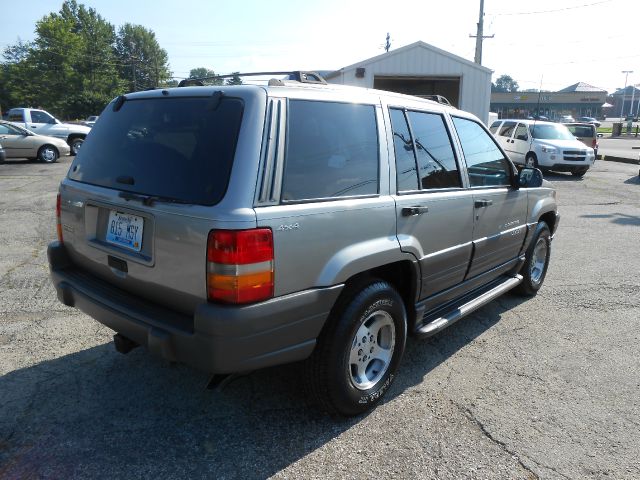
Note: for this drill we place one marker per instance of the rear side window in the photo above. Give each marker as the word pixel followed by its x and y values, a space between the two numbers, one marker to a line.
pixel 426 142
pixel 485 162
pixel 332 151
pixel 16 117
pixel 494 126
pixel 179 148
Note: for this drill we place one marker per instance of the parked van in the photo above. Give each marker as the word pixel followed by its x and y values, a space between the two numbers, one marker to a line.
pixel 544 145
pixel 586 133
pixel 239 227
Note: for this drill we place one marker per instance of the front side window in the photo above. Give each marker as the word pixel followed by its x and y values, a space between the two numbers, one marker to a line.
pixel 507 129
pixel 486 164
pixel 41 117
pixel 522 132
pixel 332 151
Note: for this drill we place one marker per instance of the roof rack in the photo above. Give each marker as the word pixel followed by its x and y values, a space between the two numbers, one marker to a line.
pixel 297 75
pixel 436 98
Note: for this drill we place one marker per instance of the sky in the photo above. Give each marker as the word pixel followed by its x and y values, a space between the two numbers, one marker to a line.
pixel 547 43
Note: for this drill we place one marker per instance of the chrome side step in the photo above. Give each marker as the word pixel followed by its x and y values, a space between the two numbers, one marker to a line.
pixel 449 317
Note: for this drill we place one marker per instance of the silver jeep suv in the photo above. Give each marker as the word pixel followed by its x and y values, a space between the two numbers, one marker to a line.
pixel 235 228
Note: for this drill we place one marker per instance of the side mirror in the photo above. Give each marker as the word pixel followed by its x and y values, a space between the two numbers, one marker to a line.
pixel 530 178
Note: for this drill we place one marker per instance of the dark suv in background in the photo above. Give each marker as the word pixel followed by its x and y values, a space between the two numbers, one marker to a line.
pixel 235 228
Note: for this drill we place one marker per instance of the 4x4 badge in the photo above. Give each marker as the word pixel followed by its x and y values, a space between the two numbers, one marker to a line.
pixel 286 228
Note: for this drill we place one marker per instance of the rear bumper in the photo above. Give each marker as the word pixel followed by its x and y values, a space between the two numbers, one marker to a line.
pixel 218 338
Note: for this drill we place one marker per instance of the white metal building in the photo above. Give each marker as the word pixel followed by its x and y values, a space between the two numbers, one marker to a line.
pixel 421 69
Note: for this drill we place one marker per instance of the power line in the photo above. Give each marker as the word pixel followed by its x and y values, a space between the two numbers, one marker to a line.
pixel 551 11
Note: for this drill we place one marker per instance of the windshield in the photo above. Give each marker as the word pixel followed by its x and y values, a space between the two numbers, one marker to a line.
pixel 176 148
pixel 551 132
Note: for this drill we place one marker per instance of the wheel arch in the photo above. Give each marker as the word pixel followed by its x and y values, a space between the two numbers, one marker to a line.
pixel 402 275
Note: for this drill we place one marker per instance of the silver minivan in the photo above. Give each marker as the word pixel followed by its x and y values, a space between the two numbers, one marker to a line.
pixel 238 227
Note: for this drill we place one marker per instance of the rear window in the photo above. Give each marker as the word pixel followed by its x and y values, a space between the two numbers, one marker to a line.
pixel 582 130
pixel 177 148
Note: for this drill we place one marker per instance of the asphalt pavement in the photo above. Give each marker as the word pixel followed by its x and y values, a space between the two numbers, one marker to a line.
pixel 546 387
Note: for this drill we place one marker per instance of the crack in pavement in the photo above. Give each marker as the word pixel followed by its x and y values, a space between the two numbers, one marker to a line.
pixel 470 415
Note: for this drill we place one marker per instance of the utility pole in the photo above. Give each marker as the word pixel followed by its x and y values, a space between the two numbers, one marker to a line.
pixel 624 91
pixel 479 35
pixel 387 45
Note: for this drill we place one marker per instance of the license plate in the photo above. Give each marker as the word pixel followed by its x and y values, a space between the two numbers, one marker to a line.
pixel 125 230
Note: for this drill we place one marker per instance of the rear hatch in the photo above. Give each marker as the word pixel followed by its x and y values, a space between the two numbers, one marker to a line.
pixel 149 184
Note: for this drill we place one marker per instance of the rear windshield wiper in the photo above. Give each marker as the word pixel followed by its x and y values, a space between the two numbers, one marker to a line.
pixel 149 200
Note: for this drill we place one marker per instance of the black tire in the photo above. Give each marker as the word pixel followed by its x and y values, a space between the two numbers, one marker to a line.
pixel 48 154
pixel 75 143
pixel 536 263
pixel 531 160
pixel 341 376
pixel 579 173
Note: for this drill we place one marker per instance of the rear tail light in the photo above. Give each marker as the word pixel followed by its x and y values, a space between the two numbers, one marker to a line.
pixel 240 265
pixel 594 143
pixel 58 220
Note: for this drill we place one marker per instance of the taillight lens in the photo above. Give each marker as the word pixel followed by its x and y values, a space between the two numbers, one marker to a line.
pixel 240 265
pixel 58 219
pixel 594 143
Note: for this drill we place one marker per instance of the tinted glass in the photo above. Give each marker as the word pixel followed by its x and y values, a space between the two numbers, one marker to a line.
pixel 406 172
pixel 582 130
pixel 16 117
pixel 436 160
pixel 332 150
pixel 179 148
pixel 507 129
pixel 485 162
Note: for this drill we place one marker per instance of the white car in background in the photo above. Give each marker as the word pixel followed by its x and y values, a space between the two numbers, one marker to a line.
pixel 543 145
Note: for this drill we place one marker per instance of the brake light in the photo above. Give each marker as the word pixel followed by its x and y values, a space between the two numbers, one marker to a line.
pixel 58 219
pixel 240 265
pixel 594 143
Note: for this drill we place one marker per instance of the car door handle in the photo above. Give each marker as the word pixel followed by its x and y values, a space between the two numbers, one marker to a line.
pixel 411 211
pixel 482 203
pixel 34 126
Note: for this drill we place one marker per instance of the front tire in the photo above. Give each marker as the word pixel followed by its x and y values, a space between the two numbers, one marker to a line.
pixel 359 350
pixel 75 143
pixel 48 154
pixel 536 262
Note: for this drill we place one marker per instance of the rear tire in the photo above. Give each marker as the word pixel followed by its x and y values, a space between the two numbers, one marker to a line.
pixel 48 154
pixel 359 350
pixel 536 262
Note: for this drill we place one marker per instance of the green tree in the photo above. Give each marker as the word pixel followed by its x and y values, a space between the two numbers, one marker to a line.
pixel 504 83
pixel 143 63
pixel 203 72
pixel 235 80
pixel 15 75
